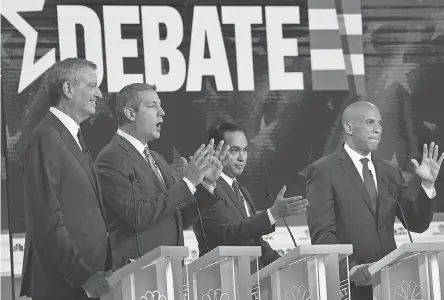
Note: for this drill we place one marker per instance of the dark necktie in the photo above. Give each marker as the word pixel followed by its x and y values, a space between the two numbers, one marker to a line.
pixel 239 195
pixel 369 182
pixel 82 143
pixel 153 165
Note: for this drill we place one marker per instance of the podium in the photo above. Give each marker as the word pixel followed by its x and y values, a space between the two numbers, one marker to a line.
pixel 156 275
pixel 409 272
pixel 224 273
pixel 307 272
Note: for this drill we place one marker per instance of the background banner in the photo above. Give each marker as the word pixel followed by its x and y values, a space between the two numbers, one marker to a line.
pixel 283 70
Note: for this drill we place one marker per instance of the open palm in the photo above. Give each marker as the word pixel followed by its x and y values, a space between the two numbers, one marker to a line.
pixel 428 170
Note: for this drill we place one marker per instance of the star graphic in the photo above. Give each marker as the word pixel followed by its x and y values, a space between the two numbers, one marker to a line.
pixel 408 176
pixel 397 71
pixel 431 126
pixel 214 106
pixel 262 141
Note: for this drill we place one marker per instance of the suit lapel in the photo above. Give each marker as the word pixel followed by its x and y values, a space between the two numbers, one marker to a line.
pixel 348 166
pixel 75 150
pixel 139 159
pixel 382 186
pixel 164 170
pixel 248 199
pixel 228 190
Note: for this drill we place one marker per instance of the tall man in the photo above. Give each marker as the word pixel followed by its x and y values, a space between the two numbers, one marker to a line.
pixel 355 196
pixel 234 221
pixel 148 206
pixel 67 244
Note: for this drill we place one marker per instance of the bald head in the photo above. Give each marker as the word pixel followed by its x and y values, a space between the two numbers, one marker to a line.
pixel 357 109
pixel 363 125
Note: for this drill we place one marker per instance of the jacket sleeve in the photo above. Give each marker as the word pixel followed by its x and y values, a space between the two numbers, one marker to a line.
pixel 44 218
pixel 321 209
pixel 114 172
pixel 205 200
pixel 217 221
pixel 418 209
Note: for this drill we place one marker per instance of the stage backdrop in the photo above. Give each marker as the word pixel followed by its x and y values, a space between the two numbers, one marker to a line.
pixel 283 70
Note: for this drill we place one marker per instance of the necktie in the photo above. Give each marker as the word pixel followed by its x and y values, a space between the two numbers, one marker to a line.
pixel 239 195
pixel 153 165
pixel 369 182
pixel 82 143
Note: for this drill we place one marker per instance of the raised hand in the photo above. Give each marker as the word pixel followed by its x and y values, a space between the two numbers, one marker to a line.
pixel 428 170
pixel 199 163
pixel 220 158
pixel 285 207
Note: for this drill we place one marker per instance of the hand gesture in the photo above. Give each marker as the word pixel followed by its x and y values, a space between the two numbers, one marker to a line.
pixel 360 275
pixel 285 207
pixel 220 158
pixel 97 285
pixel 199 163
pixel 428 170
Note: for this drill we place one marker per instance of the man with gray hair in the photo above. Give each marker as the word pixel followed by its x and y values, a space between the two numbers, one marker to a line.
pixel 67 247
pixel 140 189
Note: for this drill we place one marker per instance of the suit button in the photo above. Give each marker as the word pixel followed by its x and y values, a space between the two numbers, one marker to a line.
pixel 107 235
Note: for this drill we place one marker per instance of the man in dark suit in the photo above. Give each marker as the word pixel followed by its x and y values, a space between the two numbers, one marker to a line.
pixel 234 221
pixel 67 244
pixel 354 196
pixel 148 205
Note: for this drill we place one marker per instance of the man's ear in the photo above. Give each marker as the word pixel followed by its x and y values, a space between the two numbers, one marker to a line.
pixel 130 114
pixel 68 89
pixel 348 127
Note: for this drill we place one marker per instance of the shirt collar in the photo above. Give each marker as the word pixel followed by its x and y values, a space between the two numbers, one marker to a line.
pixel 66 120
pixel 133 141
pixel 355 156
pixel 228 179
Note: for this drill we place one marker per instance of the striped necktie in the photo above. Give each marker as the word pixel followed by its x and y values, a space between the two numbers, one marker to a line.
pixel 153 165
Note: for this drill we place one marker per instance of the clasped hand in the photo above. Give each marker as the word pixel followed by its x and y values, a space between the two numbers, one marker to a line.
pixel 206 163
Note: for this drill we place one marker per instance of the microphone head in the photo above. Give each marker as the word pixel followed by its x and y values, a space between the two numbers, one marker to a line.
pixel 132 178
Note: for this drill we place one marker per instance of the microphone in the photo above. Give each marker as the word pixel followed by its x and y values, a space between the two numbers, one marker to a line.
pixel 402 214
pixel 283 219
pixel 132 179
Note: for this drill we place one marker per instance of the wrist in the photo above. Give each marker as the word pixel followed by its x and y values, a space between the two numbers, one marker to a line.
pixel 209 182
pixel 191 181
pixel 428 184
pixel 274 213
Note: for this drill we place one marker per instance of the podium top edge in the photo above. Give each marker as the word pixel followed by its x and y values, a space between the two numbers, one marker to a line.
pixel 401 251
pixel 224 251
pixel 345 249
pixel 302 252
pixel 150 257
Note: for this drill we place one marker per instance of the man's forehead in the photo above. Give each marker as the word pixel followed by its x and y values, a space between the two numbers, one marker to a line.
pixel 149 96
pixel 88 74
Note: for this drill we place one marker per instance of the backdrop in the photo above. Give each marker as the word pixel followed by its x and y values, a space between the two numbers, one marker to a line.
pixel 219 74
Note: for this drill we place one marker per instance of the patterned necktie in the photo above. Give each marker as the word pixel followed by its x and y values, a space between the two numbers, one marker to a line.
pixel 153 165
pixel 369 182
pixel 239 195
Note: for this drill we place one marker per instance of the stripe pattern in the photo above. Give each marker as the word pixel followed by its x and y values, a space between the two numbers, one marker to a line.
pixel 336 45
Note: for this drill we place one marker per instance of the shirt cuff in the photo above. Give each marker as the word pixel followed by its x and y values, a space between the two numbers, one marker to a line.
pixel 431 193
pixel 270 217
pixel 209 188
pixel 190 185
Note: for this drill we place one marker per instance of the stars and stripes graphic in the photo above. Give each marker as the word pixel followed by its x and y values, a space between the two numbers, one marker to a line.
pixel 336 45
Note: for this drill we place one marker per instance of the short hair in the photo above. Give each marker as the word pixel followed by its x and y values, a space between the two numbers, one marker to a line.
pixel 217 132
pixel 129 97
pixel 66 70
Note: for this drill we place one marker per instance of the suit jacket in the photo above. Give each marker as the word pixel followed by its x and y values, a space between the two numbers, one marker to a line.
pixel 226 224
pixel 162 214
pixel 340 210
pixel 66 233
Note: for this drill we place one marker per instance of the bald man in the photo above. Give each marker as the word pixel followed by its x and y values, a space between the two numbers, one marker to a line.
pixel 354 196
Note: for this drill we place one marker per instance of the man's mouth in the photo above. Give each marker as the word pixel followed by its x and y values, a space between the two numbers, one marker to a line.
pixel 159 126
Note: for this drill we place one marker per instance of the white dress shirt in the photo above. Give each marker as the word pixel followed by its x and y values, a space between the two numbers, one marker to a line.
pixel 140 147
pixel 69 123
pixel 356 159
pixel 230 180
